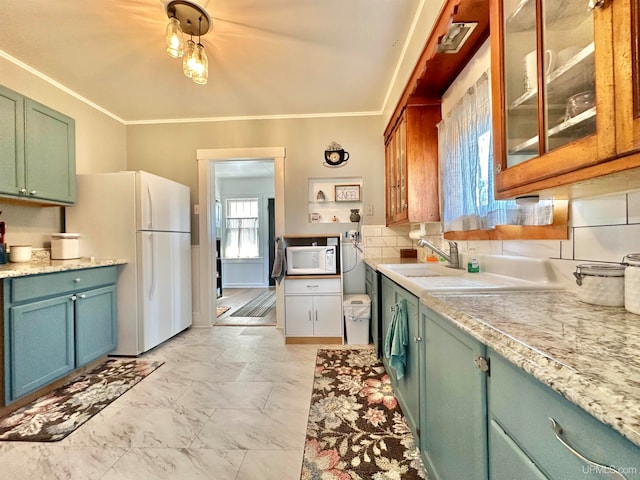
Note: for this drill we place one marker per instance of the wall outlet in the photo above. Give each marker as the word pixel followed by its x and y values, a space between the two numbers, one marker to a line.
pixel 369 209
pixel 196 209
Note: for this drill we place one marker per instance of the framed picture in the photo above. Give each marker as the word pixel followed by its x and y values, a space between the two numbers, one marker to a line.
pixel 347 193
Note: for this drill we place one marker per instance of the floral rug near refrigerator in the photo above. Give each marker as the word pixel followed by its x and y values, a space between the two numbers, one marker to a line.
pixel 356 429
pixel 57 414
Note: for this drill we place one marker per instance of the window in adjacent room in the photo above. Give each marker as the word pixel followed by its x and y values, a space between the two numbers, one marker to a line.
pixel 241 222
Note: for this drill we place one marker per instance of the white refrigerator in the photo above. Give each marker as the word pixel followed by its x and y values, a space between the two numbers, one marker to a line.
pixel 144 219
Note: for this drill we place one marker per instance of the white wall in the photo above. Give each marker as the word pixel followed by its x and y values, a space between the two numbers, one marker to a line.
pixel 170 150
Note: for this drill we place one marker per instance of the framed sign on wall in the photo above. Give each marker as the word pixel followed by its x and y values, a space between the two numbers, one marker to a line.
pixel 347 193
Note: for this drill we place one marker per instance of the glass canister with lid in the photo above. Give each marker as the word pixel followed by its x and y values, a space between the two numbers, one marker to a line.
pixel 632 282
pixel 601 283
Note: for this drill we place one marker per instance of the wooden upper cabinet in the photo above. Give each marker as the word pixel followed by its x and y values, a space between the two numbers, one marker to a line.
pixel 411 166
pixel 554 103
pixel 626 32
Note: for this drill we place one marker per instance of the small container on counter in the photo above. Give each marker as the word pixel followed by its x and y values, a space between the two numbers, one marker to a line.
pixel 20 253
pixel 601 283
pixel 632 282
pixel 65 246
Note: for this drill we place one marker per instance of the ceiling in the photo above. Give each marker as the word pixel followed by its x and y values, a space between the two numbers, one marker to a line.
pixel 266 57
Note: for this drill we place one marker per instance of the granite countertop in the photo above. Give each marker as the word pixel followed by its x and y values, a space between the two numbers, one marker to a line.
pixel 587 353
pixel 42 263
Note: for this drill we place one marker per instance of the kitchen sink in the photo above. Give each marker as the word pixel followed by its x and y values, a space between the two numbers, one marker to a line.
pixel 498 273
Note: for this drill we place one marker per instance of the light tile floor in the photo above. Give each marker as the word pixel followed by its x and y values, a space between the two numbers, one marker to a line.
pixel 230 403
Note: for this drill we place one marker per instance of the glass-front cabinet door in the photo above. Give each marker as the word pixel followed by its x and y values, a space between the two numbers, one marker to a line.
pixel 626 31
pixel 551 74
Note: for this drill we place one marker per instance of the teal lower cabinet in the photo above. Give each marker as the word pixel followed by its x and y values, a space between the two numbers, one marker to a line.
pixel 453 417
pixel 522 415
pixel 54 324
pixel 407 388
pixel 372 287
pixel 506 460
pixel 42 344
pixel 96 331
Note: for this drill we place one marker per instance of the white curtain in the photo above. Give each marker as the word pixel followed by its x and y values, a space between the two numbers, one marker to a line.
pixel 241 222
pixel 466 169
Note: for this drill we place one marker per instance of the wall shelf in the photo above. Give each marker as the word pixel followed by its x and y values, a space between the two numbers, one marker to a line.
pixel 323 206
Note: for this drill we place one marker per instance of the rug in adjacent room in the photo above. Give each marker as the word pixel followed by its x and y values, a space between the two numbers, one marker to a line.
pixel 221 310
pixel 55 415
pixel 258 306
pixel 356 429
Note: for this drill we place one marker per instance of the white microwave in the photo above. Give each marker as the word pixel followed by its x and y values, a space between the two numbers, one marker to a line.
pixel 311 260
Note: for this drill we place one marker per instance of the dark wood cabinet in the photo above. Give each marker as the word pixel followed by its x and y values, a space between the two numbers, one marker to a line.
pixel 411 166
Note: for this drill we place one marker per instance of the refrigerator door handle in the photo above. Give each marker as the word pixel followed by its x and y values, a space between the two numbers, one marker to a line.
pixel 152 266
pixel 150 197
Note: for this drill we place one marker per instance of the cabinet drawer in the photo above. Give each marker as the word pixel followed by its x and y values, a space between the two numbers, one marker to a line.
pixel 51 284
pixel 522 406
pixel 311 286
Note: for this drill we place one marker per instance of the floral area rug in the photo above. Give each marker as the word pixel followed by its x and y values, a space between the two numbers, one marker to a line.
pixel 55 415
pixel 356 429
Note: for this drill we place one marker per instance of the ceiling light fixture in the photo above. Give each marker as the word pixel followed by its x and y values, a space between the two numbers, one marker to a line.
pixel 186 17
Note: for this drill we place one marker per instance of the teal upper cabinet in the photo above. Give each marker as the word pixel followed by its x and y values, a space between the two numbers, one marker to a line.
pixel 50 154
pixel 37 153
pixel 12 141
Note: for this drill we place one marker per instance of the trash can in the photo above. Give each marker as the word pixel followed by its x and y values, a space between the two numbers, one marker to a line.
pixel 357 316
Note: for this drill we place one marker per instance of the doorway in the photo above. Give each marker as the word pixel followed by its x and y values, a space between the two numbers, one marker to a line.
pixel 245 223
pixel 207 158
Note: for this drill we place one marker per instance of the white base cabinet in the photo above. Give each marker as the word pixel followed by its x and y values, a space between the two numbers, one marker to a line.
pixel 313 308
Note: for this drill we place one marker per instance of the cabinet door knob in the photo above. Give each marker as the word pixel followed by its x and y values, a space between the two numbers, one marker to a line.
pixel 417 339
pixel 557 431
pixel 33 192
pixel 312 286
pixel 73 298
pixel 22 191
pixel 82 296
pixel 76 280
pixel 593 4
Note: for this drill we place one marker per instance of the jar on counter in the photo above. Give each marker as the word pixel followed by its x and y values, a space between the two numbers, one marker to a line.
pixel 601 283
pixel 632 282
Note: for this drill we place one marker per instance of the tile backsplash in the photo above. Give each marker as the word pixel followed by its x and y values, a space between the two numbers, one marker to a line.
pixel 602 228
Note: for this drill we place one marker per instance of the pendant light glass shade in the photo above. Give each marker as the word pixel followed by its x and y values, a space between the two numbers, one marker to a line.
pixel 201 70
pixel 175 43
pixel 189 58
pixel 187 17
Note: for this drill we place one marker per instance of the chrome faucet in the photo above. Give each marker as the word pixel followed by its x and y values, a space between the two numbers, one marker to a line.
pixel 451 257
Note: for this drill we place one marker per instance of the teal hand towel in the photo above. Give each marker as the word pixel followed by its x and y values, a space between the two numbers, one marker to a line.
pixel 396 339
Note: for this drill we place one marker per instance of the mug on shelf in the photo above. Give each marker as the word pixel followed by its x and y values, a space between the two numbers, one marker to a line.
pixel 531 68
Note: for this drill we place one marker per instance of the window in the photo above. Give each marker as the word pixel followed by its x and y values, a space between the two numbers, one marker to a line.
pixel 241 236
pixel 466 173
